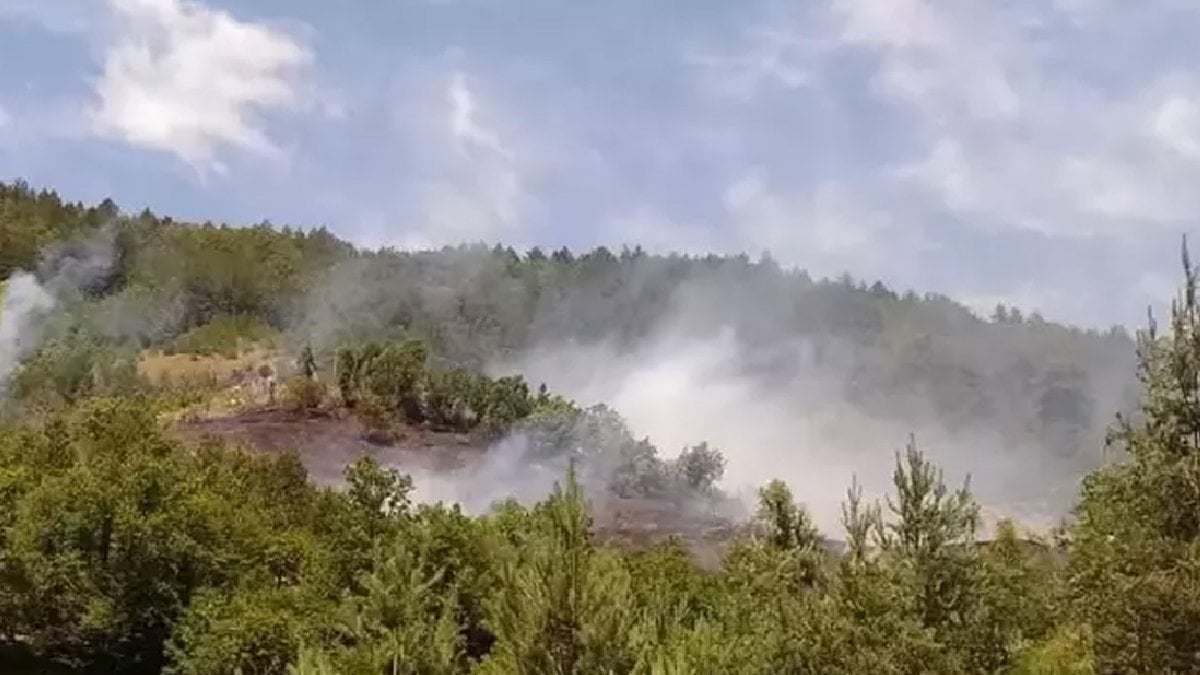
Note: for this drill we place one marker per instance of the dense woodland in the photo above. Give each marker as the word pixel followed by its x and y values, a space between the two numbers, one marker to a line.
pixel 125 549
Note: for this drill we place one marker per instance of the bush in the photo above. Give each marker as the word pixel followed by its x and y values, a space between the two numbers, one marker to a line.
pixel 224 335
pixel 250 631
pixel 303 394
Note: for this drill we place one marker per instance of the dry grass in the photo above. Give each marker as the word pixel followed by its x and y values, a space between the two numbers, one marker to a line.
pixel 206 383
pixel 158 367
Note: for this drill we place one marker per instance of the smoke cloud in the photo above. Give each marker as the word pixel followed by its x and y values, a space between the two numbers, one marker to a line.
pixel 25 303
pixel 679 391
pixel 506 471
pixel 31 300
pixel 713 353
pixel 760 395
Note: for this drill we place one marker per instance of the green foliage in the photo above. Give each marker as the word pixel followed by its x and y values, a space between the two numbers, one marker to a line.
pixel 1068 651
pixel 1135 551
pixel 563 607
pixel 788 524
pixel 700 468
pixel 303 394
pixel 224 335
pixel 211 288
pixel 252 630
pixel 74 366
pixel 124 549
pixel 394 380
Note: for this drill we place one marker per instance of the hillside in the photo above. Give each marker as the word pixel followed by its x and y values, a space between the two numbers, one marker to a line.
pixel 266 450
pixel 775 368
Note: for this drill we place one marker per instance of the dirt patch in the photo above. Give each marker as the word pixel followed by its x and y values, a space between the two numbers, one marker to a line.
pixel 327 442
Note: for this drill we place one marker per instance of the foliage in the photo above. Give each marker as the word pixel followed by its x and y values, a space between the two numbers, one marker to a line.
pixel 125 549
pixel 74 366
pixel 395 379
pixel 209 288
pixel 303 394
pixel 223 335
pixel 1135 554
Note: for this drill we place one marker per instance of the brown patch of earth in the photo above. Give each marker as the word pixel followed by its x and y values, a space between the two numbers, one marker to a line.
pixel 327 442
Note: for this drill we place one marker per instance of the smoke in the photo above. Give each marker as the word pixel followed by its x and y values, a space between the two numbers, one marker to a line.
pixel 680 391
pixel 32 300
pixel 795 422
pixel 25 303
pixel 506 471
pixel 766 366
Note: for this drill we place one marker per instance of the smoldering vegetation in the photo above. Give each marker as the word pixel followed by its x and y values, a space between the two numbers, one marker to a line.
pixel 815 382
pixel 812 381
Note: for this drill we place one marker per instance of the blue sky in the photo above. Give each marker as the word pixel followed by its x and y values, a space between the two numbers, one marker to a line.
pixel 1041 152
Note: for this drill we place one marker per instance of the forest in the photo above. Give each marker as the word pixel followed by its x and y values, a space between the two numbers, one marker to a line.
pixel 128 547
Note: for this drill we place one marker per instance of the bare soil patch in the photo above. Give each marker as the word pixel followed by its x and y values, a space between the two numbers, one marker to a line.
pixel 327 442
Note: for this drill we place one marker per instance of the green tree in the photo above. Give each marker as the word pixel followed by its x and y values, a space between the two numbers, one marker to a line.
pixel 561 606
pixel 1135 549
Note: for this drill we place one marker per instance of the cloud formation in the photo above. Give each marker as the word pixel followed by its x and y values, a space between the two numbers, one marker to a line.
pixel 190 80
pixel 481 196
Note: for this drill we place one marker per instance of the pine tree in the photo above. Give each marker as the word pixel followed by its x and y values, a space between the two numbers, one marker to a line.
pixel 1135 552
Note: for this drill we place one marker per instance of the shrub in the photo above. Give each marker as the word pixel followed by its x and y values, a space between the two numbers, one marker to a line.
pixel 303 394
pixel 223 335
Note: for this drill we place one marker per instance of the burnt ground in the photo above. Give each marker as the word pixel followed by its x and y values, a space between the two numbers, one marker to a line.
pixel 327 442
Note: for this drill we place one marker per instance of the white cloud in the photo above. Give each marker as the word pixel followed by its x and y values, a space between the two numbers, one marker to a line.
pixel 774 57
pixel 827 230
pixel 190 80
pixel 928 61
pixel 465 128
pixel 1176 124
pixel 5 117
pixel 1013 137
pixel 1063 119
pixel 477 187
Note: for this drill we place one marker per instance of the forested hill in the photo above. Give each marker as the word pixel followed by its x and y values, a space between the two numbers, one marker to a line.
pixel 128 546
pixel 891 355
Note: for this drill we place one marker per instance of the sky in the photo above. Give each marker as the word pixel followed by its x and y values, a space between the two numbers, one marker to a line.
pixel 1043 153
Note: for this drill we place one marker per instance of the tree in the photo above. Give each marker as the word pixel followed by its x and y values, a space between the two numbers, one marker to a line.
pixel 308 362
pixel 1135 549
pixel 562 606
pixel 700 468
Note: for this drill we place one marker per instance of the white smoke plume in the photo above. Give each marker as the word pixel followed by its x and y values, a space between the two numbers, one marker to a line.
pixel 503 473
pixel 25 303
pixel 680 389
pixel 32 299
pixel 720 360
